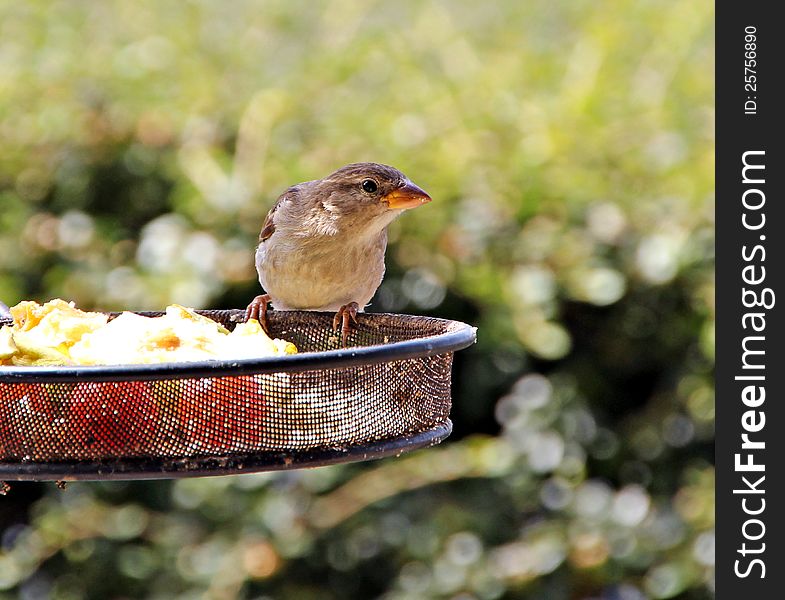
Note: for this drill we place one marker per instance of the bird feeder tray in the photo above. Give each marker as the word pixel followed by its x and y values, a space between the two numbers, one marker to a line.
pixel 386 393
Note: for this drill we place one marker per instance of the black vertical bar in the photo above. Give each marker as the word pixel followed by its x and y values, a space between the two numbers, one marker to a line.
pixel 750 560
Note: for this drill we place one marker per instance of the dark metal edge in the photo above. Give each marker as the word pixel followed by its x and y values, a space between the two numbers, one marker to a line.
pixel 461 337
pixel 232 464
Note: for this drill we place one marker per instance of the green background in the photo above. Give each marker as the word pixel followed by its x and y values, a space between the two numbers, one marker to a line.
pixel 568 147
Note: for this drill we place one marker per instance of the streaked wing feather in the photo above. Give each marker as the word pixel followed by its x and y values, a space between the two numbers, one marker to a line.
pixel 269 223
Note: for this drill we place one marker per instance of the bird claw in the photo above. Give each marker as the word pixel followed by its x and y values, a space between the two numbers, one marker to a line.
pixel 346 313
pixel 257 309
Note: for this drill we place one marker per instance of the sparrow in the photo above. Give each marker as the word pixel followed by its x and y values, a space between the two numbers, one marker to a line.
pixel 322 244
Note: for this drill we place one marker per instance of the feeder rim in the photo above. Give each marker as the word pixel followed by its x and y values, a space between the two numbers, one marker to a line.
pixel 458 335
pixel 231 464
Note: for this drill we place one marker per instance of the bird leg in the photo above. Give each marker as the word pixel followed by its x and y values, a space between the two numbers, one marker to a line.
pixel 342 317
pixel 257 309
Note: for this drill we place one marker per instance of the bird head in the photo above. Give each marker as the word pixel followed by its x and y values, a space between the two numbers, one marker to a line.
pixel 374 188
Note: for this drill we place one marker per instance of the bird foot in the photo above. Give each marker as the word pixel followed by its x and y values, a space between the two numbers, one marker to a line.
pixel 257 309
pixel 346 313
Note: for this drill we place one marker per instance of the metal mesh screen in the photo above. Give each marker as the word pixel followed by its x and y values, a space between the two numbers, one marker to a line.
pixel 89 419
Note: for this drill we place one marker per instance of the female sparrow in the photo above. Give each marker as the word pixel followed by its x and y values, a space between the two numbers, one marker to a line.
pixel 323 242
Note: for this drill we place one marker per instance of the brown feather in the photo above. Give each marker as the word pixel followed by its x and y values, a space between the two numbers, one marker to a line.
pixel 269 226
pixel 269 223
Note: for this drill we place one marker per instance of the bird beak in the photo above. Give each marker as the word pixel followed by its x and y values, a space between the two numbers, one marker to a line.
pixel 406 196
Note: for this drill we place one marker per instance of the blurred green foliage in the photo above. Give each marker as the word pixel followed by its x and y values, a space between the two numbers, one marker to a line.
pixel 569 150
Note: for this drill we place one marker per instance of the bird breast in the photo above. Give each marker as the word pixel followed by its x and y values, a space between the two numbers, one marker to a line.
pixel 322 272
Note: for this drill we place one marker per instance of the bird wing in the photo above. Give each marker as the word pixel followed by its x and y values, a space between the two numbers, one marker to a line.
pixel 269 223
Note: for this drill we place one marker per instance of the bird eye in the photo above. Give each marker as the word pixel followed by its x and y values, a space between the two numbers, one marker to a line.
pixel 369 185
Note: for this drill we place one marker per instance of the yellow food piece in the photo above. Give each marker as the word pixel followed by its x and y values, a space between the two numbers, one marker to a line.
pixel 57 333
pixel 43 334
pixel 245 336
pixel 7 346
